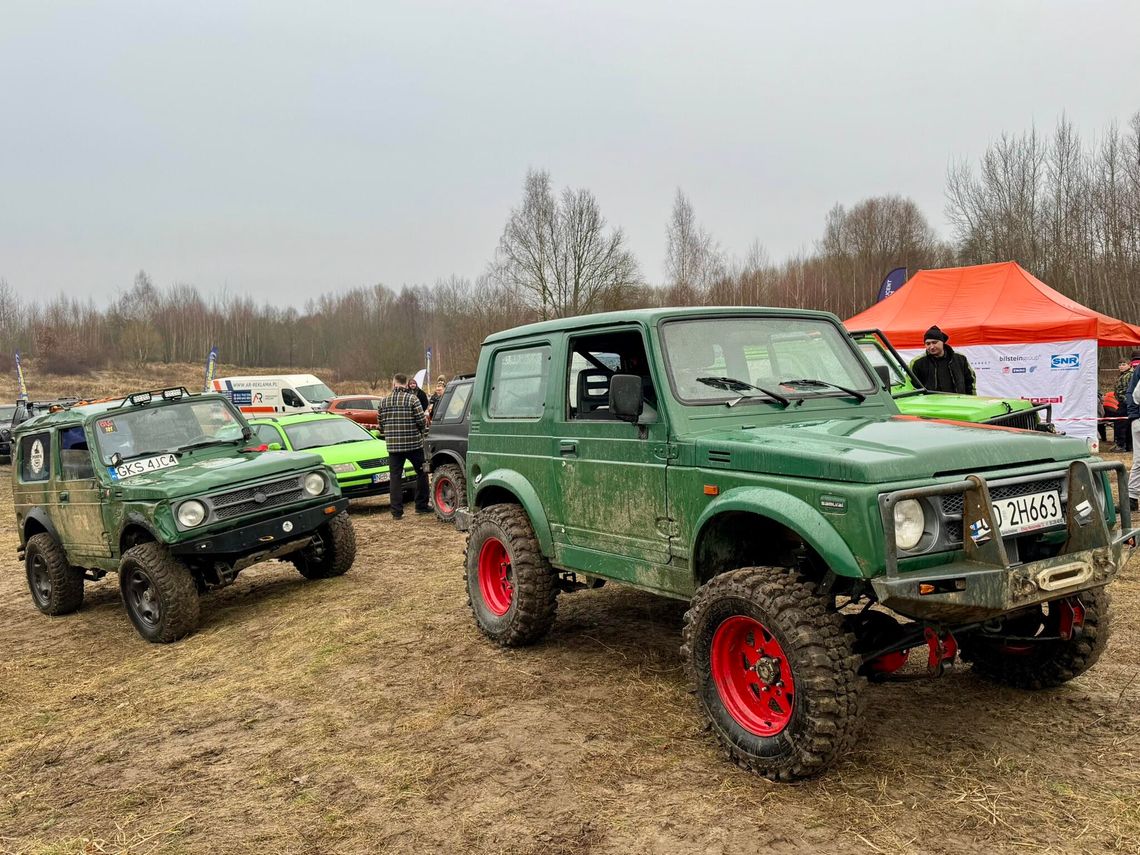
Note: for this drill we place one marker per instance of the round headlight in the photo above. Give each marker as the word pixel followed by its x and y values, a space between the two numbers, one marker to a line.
pixel 314 483
pixel 909 523
pixel 191 513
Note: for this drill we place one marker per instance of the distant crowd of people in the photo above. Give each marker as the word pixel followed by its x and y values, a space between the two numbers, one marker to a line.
pixel 404 417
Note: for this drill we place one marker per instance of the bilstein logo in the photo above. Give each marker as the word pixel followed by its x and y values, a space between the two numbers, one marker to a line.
pixel 1065 361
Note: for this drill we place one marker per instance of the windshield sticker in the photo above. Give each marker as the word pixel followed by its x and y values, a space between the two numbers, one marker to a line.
pixel 36 457
pixel 142 467
pixel 107 426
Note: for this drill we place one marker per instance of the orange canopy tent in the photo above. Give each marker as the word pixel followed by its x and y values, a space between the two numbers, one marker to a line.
pixel 989 304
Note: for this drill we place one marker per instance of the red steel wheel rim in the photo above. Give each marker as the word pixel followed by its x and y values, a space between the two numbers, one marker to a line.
pixel 495 576
pixel 441 495
pixel 752 676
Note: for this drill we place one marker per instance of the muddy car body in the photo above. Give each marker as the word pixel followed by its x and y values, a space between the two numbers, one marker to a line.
pixel 749 461
pixel 162 488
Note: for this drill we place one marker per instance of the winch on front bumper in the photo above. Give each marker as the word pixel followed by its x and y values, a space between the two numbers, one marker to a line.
pixel 986 583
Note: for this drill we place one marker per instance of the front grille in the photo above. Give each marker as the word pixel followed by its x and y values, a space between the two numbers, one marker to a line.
pixel 953 505
pixel 1025 421
pixel 374 463
pixel 250 500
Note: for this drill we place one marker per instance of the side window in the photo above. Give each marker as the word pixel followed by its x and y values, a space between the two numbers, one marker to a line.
pixel 267 434
pixel 455 402
pixel 74 456
pixel 291 398
pixel 593 361
pixel 518 383
pixel 35 454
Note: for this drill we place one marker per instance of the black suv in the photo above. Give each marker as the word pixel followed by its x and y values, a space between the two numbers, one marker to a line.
pixel 447 447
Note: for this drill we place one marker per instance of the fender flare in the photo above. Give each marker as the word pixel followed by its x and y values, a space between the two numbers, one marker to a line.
pixel 133 518
pixel 791 512
pixel 42 518
pixel 515 483
pixel 452 457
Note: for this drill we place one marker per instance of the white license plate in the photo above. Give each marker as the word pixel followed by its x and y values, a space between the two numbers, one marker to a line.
pixel 380 478
pixel 1020 514
pixel 147 464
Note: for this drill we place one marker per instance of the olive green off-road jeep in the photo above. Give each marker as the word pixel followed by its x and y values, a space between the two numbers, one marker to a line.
pixel 750 462
pixel 160 487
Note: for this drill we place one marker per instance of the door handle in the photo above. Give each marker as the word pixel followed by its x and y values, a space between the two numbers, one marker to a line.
pixel 567 448
pixel 65 496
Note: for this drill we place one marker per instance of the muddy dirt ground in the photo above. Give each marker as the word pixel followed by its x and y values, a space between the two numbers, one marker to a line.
pixel 366 714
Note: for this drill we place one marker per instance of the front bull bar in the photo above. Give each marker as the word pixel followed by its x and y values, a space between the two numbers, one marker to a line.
pixel 985 584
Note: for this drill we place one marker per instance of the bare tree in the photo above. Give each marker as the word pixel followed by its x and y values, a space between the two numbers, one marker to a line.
pixel 693 260
pixel 557 256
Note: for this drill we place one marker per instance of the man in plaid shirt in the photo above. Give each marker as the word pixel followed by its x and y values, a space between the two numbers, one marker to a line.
pixel 404 424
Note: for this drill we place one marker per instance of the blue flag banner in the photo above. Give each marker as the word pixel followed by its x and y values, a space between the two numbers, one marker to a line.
pixel 211 367
pixel 895 280
pixel 21 386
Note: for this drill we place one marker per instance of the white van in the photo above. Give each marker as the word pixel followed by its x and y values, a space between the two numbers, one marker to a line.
pixel 275 393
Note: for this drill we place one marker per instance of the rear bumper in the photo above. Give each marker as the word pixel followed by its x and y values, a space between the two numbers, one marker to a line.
pixel 288 528
pixel 986 584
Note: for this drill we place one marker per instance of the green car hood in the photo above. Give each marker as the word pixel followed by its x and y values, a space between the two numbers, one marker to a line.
pixel 882 449
pixel 351 452
pixel 203 472
pixel 964 408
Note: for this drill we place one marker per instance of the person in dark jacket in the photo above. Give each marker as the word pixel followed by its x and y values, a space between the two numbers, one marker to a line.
pixel 414 388
pixel 1132 404
pixel 941 369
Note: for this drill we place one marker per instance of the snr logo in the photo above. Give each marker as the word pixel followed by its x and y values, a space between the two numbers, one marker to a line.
pixel 1065 361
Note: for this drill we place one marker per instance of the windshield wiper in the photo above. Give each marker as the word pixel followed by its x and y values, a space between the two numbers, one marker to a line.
pixel 822 384
pixel 203 443
pixel 731 384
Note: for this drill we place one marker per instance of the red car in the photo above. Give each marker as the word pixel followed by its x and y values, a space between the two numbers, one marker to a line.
pixel 359 408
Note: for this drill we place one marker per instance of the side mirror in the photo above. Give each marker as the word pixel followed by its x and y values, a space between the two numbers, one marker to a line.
pixel 626 401
pixel 376 433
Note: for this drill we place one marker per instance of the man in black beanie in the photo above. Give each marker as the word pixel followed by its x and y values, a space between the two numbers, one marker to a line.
pixel 940 369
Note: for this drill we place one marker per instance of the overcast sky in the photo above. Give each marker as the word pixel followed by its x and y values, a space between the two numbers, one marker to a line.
pixel 283 149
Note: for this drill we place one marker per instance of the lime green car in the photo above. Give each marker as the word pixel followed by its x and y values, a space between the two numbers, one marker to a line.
pixel 355 454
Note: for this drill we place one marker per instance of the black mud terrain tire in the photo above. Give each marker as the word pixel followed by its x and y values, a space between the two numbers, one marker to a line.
pixel 511 587
pixel 56 586
pixel 774 671
pixel 1043 664
pixel 333 555
pixel 448 491
pixel 159 593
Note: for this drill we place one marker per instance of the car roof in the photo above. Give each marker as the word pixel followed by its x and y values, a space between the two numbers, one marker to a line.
pixel 80 413
pixel 648 317
pixel 297 418
pixel 361 395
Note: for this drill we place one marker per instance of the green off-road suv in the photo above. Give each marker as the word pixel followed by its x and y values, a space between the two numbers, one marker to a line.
pixel 750 461
pixel 162 488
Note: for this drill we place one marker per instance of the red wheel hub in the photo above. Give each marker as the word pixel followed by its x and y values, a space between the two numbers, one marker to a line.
pixel 752 675
pixel 444 490
pixel 495 576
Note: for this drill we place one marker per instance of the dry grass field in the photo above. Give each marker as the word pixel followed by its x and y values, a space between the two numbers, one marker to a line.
pixel 366 714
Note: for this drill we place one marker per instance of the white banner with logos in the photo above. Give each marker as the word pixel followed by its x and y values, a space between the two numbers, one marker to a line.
pixel 1061 373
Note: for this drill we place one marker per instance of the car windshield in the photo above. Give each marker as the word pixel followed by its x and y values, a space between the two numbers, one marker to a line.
pixel 317 393
pixel 760 353
pixel 6 412
pixel 319 432
pixel 159 427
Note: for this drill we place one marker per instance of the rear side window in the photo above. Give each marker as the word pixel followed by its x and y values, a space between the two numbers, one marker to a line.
pixel 35 457
pixel 456 403
pixel 518 383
